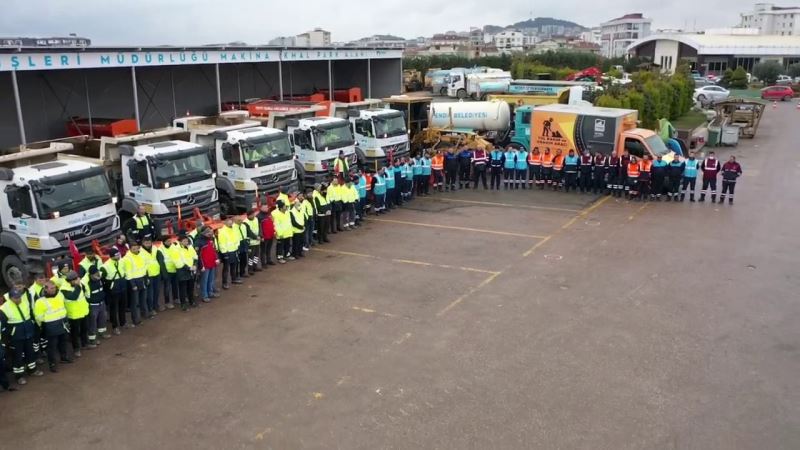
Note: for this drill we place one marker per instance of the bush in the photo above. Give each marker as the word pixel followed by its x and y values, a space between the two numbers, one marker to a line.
pixel 608 101
pixel 767 71
pixel 738 78
pixel 614 73
pixel 725 81
pixel 794 70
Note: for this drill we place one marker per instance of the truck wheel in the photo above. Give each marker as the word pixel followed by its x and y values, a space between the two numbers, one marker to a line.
pixel 227 206
pixel 443 91
pixel 461 94
pixel 301 176
pixel 14 271
pixel 361 159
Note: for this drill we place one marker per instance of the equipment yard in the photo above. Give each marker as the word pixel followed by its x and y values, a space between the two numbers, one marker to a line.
pixel 476 319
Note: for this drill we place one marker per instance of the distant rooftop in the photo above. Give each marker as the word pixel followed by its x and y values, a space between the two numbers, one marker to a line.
pixel 60 42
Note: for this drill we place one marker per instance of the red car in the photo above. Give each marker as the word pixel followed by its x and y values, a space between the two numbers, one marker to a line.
pixel 784 93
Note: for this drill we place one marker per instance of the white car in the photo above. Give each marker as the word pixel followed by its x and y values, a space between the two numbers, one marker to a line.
pixel 784 80
pixel 711 93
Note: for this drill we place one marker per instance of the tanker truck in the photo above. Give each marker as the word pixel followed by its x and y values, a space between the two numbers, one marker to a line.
pixel 48 201
pixel 492 120
pixel 479 85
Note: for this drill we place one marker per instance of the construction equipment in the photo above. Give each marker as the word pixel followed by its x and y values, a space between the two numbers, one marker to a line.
pixel 412 80
pixel 491 120
pixel 745 114
pixel 415 110
pixel 590 74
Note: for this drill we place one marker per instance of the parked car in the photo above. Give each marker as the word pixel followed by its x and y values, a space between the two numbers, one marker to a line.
pixel 784 93
pixel 711 93
pixel 784 80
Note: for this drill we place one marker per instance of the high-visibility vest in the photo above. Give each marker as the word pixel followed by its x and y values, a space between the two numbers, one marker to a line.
pixel 35 291
pixel 645 166
pixel 362 186
pixel 228 239
pixel 50 309
pixel 437 162
pixel 283 225
pixel 633 170
pixel 690 168
pixel 320 199
pixel 185 257
pixel 333 193
pixel 77 308
pixel 283 198
pixel 380 185
pixel 87 288
pixel 242 227
pixel 135 266
pixel 141 221
pixel 368 178
pixel 255 229
pixel 153 267
pixel 558 162
pixel 547 160
pixel 59 280
pixel 16 313
pixel 354 194
pixel 535 159
pixel 340 165
pixel 510 162
pixel 113 271
pixel 166 250
pixel 308 208
pixel 86 264
pixel 300 218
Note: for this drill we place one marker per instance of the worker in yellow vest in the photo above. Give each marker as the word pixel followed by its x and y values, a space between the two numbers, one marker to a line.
pixel 254 241
pixel 134 267
pixel 89 259
pixel 77 312
pixel 283 232
pixel 244 246
pixel 95 294
pixel 36 291
pixel 323 211
pixel 297 216
pixel 19 330
pixel 115 285
pixel 60 277
pixel 228 238
pixel 186 263
pixel 169 273
pixel 155 263
pixel 51 315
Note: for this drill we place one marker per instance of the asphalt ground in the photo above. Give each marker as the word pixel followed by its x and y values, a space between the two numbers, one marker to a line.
pixel 476 319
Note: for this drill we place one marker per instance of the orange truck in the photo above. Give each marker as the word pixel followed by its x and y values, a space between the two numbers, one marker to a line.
pixel 593 129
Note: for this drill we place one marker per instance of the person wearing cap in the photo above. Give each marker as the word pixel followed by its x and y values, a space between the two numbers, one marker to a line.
pixel 379 190
pixel 51 315
pixel 169 274
pixel 281 196
pixel 19 329
pixel 333 195
pixel 77 312
pixel 361 189
pixel 254 241
pixel 155 266
pixel 244 245
pixel 283 231
pixel 186 263
pixel 89 259
pixel 388 177
pixel 659 174
pixel 352 194
pixel 311 215
pixel 228 243
pixel 323 211
pixel 298 219
pixel 115 285
pixel 35 292
pixel 141 225
pixel 60 277
pixel 345 196
pixel 267 237
pixel 134 267
pixel 208 260
pixel 96 297
pixel 731 170
pixel 340 166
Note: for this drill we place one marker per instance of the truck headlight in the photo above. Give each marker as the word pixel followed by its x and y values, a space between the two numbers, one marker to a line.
pixel 214 195
pixel 294 174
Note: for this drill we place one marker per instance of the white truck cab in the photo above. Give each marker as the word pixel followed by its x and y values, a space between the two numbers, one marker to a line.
pixel 380 133
pixel 317 142
pixel 250 160
pixel 46 202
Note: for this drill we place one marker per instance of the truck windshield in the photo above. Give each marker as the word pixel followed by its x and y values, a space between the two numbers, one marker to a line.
pixel 266 151
pixel 657 145
pixel 329 137
pixel 57 197
pixel 181 168
pixel 389 125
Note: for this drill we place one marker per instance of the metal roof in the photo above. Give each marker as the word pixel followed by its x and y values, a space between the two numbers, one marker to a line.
pixel 729 44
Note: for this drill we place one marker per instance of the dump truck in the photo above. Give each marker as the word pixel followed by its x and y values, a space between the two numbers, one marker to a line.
pixel 251 161
pixel 415 111
pixel 491 120
pixel 48 201
pixel 380 133
pixel 592 129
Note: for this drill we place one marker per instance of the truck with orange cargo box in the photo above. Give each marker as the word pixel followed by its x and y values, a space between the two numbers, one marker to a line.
pixel 593 129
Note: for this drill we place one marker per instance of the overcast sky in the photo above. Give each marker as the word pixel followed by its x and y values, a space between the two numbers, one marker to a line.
pixel 194 22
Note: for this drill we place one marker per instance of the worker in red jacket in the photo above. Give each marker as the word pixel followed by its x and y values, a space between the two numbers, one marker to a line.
pixel 731 170
pixel 711 168
pixel 208 255
pixel 267 237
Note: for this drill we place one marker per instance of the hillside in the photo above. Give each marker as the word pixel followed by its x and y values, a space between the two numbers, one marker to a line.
pixel 538 23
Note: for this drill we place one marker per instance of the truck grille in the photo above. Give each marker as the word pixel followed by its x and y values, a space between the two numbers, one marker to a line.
pixel 272 181
pixel 189 202
pixel 83 235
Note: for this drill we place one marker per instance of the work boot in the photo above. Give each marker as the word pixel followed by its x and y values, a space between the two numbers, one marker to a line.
pixel 117 331
pixel 170 305
pixel 22 381
pixel 691 197
pixel 184 307
pixel 683 197
pixel 730 201
pixel 702 197
pixel 78 353
pixel 237 281
pixel 53 368
pixel 37 373
pixel 91 346
pixel 713 198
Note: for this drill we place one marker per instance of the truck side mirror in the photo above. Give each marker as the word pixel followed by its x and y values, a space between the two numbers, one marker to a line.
pixel 226 152
pixel 132 174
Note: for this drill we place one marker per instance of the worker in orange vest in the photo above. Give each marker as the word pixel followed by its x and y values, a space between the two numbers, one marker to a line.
pixel 535 167
pixel 547 168
pixel 643 187
pixel 558 170
pixel 437 165
pixel 632 178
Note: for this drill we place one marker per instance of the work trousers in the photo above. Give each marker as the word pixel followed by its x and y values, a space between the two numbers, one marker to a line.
pixel 632 187
pixel 658 186
pixel 336 220
pixel 24 357
pixel 153 293
pixel 450 177
pixel 380 200
pixel 557 178
pixel 390 197
pixel 674 186
pixel 297 244
pixel 266 252
pixel 585 180
pixel 687 185
pixel 643 187
pixel 463 176
pixel 508 177
pixel 520 178
pixel 426 184
pixel 79 332
pixel 244 259
pixel 570 181
pixel 56 347
pixel 322 228
pixel 115 309
pixel 137 303
pixel 170 289
pixel 709 183
pixel 207 285
pixel 409 186
pixel 727 189
pixel 419 184
pixel 283 249
pixel 438 179
pixel 254 254
pixel 97 321
pixel 479 174
pixel 310 229
pixel 534 174
pixel 598 180
pixel 230 270
pixel 547 176
pixel 186 291
pixel 497 175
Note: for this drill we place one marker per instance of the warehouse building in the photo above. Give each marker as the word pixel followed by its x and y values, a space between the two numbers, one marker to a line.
pixel 42 88
pixel 712 52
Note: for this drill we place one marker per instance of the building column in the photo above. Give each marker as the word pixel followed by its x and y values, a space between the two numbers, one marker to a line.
pixel 330 80
pixel 18 104
pixel 369 77
pixel 135 98
pixel 219 93
pixel 280 79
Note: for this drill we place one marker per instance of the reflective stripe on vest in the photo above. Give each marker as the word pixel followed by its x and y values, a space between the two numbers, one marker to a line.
pixel 141 222
pixel 633 170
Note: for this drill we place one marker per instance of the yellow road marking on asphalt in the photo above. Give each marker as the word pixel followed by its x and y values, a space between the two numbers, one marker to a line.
pixel 460 299
pixel 371 311
pixel 508 205
pixel 405 261
pixel 449 227
pixel 260 436
pixel 537 245
pixel 635 213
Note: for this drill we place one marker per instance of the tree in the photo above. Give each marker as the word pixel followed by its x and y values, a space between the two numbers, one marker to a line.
pixel 768 71
pixel 794 70
pixel 738 79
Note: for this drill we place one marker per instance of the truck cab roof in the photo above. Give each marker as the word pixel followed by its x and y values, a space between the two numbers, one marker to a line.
pixel 22 175
pixel 141 152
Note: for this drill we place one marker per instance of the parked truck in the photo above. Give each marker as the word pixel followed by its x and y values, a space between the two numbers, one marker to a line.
pixel 474 85
pixel 592 129
pixel 49 200
pixel 380 133
pixel 250 160
pixel 492 120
